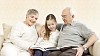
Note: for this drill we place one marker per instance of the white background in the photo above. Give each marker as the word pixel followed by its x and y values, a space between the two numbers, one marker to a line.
pixel 87 11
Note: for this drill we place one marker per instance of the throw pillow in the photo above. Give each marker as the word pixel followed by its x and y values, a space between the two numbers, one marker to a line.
pixel 6 30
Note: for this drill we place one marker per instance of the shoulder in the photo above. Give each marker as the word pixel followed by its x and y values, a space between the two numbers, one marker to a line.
pixel 38 26
pixel 57 32
pixel 76 23
pixel 18 25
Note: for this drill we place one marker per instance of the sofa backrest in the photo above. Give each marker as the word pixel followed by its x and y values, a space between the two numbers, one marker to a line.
pixel 6 30
pixel 59 26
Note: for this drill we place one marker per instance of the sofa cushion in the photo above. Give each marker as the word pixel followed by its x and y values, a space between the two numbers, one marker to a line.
pixel 91 50
pixel 6 30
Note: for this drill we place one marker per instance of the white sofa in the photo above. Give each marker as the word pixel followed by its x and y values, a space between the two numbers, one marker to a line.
pixel 94 50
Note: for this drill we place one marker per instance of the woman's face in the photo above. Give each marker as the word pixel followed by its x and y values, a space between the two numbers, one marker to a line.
pixel 51 24
pixel 31 19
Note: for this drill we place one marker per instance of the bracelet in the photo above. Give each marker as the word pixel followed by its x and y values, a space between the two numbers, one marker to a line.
pixel 84 48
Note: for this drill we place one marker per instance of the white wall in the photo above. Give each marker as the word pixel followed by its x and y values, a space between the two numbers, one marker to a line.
pixel 87 11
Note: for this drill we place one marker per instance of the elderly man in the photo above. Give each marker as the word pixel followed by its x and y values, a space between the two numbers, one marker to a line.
pixel 72 36
pixel 22 36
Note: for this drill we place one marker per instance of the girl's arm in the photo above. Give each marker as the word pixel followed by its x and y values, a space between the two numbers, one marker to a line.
pixel 39 40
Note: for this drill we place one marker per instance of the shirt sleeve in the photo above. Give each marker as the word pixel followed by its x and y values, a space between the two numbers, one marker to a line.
pixel 54 38
pixel 15 38
pixel 85 32
pixel 39 41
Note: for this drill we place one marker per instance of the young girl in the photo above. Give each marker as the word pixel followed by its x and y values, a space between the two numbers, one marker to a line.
pixel 49 37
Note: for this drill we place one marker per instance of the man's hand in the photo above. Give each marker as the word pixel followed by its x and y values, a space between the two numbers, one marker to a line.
pixel 80 51
pixel 30 51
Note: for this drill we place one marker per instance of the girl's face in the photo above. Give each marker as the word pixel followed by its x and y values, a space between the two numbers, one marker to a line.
pixel 51 24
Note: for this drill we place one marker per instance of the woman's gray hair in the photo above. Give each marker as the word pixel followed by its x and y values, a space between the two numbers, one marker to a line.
pixel 32 11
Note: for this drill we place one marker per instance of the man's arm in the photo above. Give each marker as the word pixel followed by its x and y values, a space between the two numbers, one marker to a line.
pixel 89 35
pixel 92 39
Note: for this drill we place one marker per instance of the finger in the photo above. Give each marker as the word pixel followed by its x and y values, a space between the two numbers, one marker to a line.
pixel 77 53
pixel 80 54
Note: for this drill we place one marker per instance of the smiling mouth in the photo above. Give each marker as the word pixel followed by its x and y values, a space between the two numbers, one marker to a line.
pixel 32 21
pixel 64 20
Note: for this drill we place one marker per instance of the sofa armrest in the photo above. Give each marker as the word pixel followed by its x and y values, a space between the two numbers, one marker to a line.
pixel 1 41
pixel 96 48
pixel 91 50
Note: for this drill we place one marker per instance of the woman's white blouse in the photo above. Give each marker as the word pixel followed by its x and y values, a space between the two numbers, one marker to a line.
pixel 23 36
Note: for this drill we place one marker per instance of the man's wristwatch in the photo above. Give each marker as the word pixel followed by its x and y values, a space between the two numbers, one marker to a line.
pixel 84 48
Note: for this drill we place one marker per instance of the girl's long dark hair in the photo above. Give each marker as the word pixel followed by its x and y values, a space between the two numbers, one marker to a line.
pixel 47 30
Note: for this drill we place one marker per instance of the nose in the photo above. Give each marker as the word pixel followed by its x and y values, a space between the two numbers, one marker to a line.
pixel 63 18
pixel 33 21
pixel 51 26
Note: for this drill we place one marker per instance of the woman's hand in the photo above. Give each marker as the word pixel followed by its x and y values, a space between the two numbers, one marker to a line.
pixel 30 51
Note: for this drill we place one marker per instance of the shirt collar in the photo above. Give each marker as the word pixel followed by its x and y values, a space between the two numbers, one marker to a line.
pixel 53 32
pixel 70 24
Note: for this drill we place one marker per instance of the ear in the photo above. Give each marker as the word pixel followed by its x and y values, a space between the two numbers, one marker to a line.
pixel 26 17
pixel 72 16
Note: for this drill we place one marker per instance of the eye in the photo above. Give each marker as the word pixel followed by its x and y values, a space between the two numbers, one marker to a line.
pixel 48 25
pixel 36 18
pixel 64 16
pixel 52 24
pixel 32 16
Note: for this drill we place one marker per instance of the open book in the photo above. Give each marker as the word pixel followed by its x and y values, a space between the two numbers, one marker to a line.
pixel 52 48
pixel 44 49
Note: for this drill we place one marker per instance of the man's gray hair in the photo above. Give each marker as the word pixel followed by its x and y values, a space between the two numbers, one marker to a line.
pixel 32 11
pixel 72 11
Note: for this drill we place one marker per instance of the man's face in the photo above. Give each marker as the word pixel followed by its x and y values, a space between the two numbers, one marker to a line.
pixel 66 16
pixel 31 19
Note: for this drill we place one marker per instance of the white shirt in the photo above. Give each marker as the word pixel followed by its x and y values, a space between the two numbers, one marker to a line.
pixel 52 42
pixel 23 36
